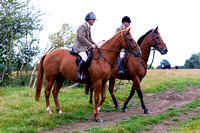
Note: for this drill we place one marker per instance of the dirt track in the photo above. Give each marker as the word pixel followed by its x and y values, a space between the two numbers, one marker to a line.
pixel 157 103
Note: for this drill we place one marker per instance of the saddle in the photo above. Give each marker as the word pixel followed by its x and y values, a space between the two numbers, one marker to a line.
pixel 87 63
pixel 78 57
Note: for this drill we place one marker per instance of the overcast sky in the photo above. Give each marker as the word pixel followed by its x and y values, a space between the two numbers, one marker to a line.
pixel 178 22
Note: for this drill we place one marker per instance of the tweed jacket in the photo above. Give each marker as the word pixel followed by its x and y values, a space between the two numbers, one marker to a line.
pixel 83 39
pixel 119 29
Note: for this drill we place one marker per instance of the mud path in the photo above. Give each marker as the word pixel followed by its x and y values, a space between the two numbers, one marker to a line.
pixel 157 103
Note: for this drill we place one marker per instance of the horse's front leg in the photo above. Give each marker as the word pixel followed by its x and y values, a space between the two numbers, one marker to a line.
pixel 103 96
pixel 139 92
pixel 97 90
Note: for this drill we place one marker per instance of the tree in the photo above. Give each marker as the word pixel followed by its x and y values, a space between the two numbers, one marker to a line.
pixel 163 62
pixel 193 62
pixel 63 38
pixel 19 24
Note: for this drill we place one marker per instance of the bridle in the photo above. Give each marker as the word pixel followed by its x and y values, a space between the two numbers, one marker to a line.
pixel 128 44
pixel 155 46
pixel 157 43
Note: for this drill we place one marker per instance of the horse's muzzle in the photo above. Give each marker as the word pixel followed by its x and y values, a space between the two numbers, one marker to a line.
pixel 163 51
pixel 136 53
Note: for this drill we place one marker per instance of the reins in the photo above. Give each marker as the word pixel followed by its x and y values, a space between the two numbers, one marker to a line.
pixel 116 51
pixel 146 59
pixel 153 39
pixel 100 55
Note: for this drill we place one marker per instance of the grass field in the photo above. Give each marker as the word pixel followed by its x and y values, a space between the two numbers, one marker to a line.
pixel 20 113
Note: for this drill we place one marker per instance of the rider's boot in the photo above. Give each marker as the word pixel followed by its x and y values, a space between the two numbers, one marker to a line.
pixel 80 68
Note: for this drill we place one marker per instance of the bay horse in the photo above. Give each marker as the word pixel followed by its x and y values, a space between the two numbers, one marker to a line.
pixel 59 65
pixel 137 67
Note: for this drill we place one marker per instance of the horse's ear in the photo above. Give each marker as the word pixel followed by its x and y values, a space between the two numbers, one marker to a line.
pixel 156 29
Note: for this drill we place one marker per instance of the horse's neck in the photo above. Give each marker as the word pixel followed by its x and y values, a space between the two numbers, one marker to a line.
pixel 111 49
pixel 145 45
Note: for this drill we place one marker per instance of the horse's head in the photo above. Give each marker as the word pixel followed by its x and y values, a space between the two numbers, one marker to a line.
pixel 158 43
pixel 130 44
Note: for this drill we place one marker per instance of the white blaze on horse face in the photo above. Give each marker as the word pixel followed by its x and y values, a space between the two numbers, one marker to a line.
pixel 99 108
pixel 49 110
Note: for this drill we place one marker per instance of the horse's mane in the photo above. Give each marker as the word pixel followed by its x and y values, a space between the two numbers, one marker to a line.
pixel 111 38
pixel 143 36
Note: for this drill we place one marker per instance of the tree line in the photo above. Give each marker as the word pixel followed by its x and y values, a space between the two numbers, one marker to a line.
pixel 192 63
pixel 20 24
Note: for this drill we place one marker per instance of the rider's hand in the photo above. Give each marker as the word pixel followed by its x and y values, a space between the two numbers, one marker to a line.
pixel 94 46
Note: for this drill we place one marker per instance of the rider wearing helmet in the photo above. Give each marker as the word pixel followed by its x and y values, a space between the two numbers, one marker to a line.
pixel 84 41
pixel 125 24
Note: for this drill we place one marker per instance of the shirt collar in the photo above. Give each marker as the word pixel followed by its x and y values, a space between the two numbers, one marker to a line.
pixel 123 26
pixel 88 24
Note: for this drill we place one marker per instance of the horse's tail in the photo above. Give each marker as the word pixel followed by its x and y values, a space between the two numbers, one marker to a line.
pixel 40 76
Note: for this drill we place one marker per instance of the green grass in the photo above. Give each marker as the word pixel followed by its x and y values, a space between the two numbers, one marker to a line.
pixel 188 126
pixel 160 80
pixel 20 113
pixel 140 122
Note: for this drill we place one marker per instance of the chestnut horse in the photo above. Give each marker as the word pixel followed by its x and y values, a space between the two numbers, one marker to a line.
pixel 137 67
pixel 60 65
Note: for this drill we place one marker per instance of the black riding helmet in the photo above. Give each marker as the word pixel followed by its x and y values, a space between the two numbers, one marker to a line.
pixel 126 19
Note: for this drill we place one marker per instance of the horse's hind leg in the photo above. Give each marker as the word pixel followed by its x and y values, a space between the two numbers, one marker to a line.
pixel 49 85
pixel 58 85
pixel 91 93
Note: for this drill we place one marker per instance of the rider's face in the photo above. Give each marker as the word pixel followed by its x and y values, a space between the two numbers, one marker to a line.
pixel 91 22
pixel 126 24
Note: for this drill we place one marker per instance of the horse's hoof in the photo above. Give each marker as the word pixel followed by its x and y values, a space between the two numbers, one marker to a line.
pixel 90 102
pixel 116 107
pixel 146 111
pixel 50 112
pixel 124 110
pixel 99 120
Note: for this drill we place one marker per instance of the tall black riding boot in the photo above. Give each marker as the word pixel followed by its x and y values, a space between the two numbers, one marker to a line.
pixel 120 66
pixel 80 68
